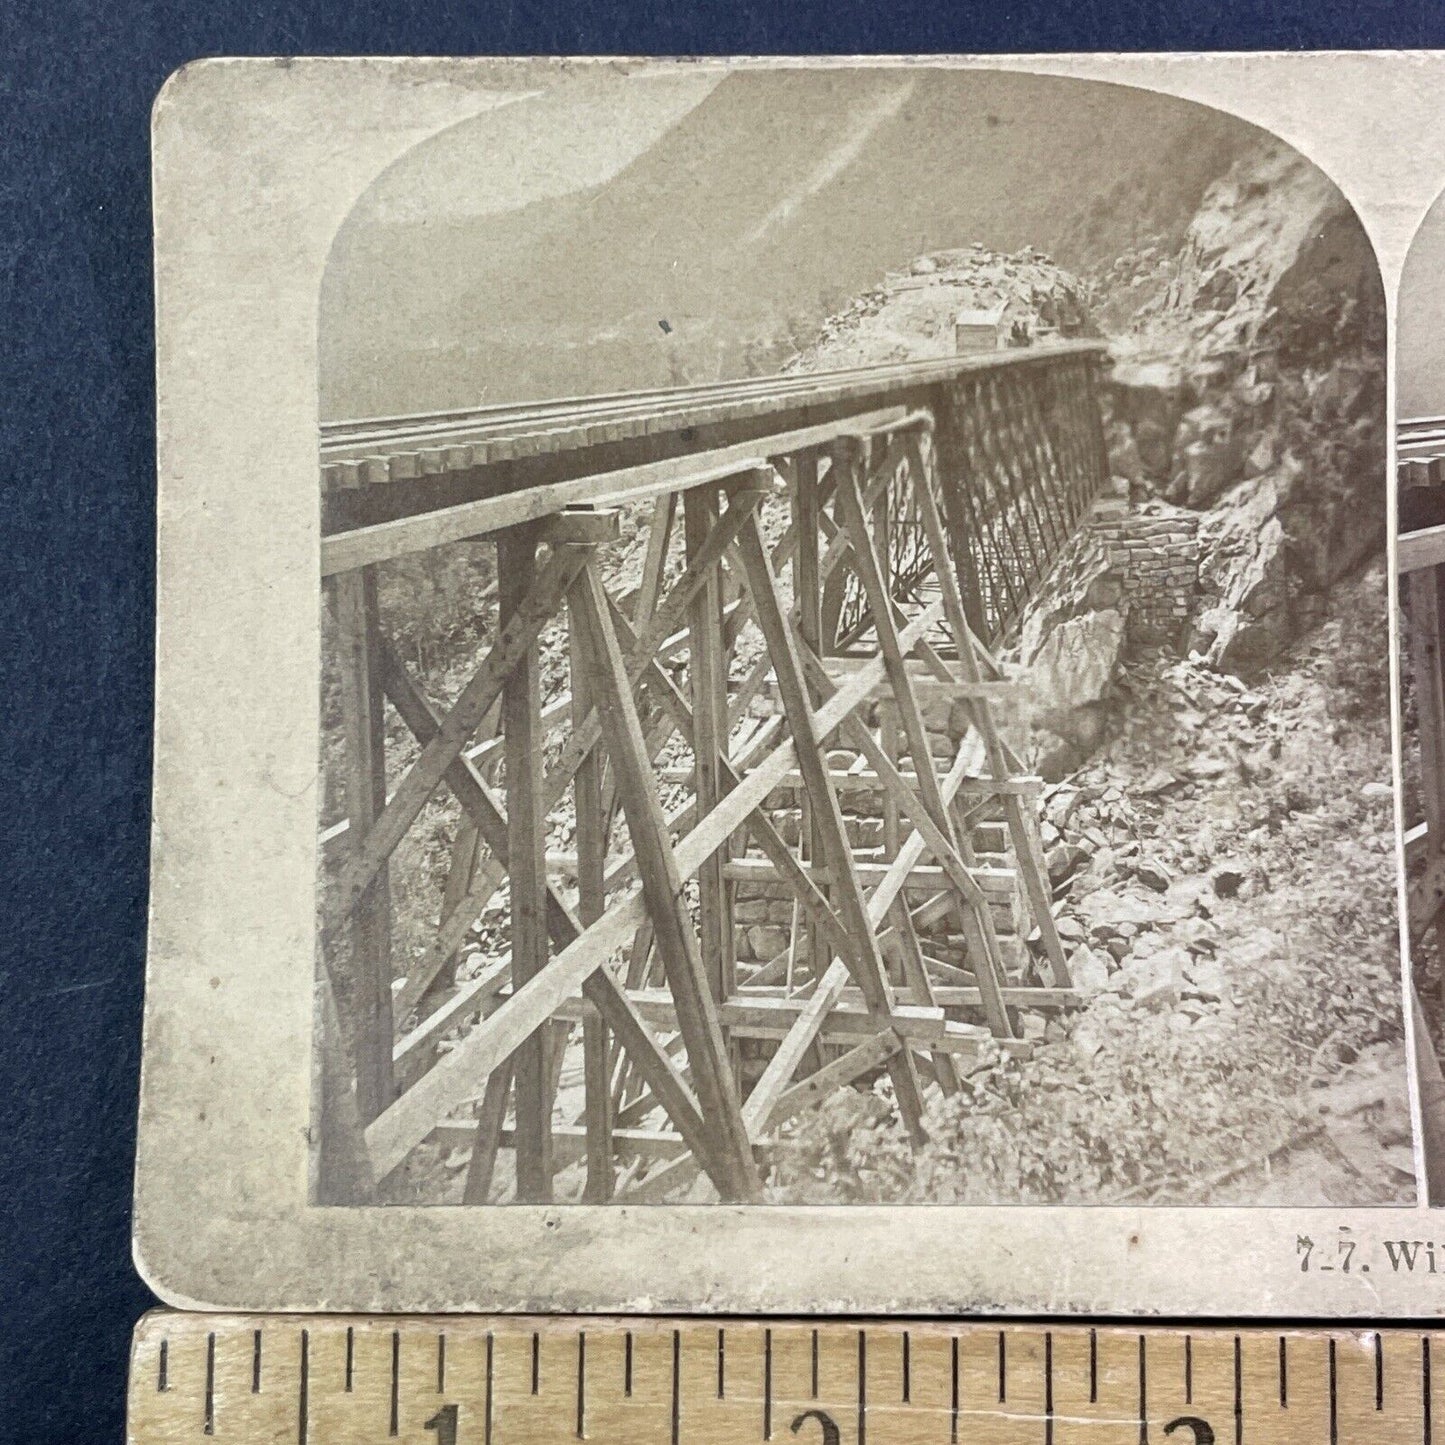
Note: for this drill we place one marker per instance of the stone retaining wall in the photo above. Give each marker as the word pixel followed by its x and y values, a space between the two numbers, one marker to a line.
pixel 1154 556
pixel 763 914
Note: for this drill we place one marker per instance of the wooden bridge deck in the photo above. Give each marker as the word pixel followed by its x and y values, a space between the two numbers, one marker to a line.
pixel 403 448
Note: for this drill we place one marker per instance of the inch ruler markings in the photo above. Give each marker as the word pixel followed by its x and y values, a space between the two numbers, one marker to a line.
pixel 509 1380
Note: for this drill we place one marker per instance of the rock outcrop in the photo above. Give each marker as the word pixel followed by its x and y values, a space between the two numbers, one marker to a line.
pixel 1249 620
pixel 1070 675
pixel 1252 389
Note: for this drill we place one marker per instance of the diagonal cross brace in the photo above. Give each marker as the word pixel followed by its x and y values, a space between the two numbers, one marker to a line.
pixel 782 643
pixel 1001 761
pixel 769 1089
pixel 390 1144
pixel 393 1134
pixel 729 1150
pixel 973 915
pixel 657 630
pixel 438 756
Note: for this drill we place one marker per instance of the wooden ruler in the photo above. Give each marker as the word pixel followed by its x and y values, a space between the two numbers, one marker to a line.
pixel 511 1380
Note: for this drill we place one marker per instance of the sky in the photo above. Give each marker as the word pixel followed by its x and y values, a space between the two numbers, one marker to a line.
pixel 578 131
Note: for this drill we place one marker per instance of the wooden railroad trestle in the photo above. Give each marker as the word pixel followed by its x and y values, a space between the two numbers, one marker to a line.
pixel 842 568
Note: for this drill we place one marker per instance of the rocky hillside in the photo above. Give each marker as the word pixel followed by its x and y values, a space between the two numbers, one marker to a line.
pixel 1245 409
pixel 1245 424
pixel 1218 823
pixel 1251 387
pixel 1218 820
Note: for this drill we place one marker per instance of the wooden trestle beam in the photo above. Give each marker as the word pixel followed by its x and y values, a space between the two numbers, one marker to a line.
pixel 527 836
pixel 1022 822
pixel 851 459
pixel 591 817
pixel 728 1155
pixel 367 995
pixel 687 1060
pixel 870 972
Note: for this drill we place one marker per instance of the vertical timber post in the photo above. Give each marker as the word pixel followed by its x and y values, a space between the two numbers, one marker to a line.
pixel 871 973
pixel 477 1187
pixel 370 974
pixel 808 599
pixel 1098 442
pixel 852 460
pixel 1023 826
pixel 526 862
pixel 708 685
pixel 340 1167
pixel 591 899
pixel 952 476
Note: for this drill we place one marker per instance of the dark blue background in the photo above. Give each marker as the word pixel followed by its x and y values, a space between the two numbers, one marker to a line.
pixel 76 518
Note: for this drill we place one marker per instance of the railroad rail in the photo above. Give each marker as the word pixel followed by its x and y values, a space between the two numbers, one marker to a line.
pixel 791 717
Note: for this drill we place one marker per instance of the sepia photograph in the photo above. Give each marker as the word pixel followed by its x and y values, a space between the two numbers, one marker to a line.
pixel 855 655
